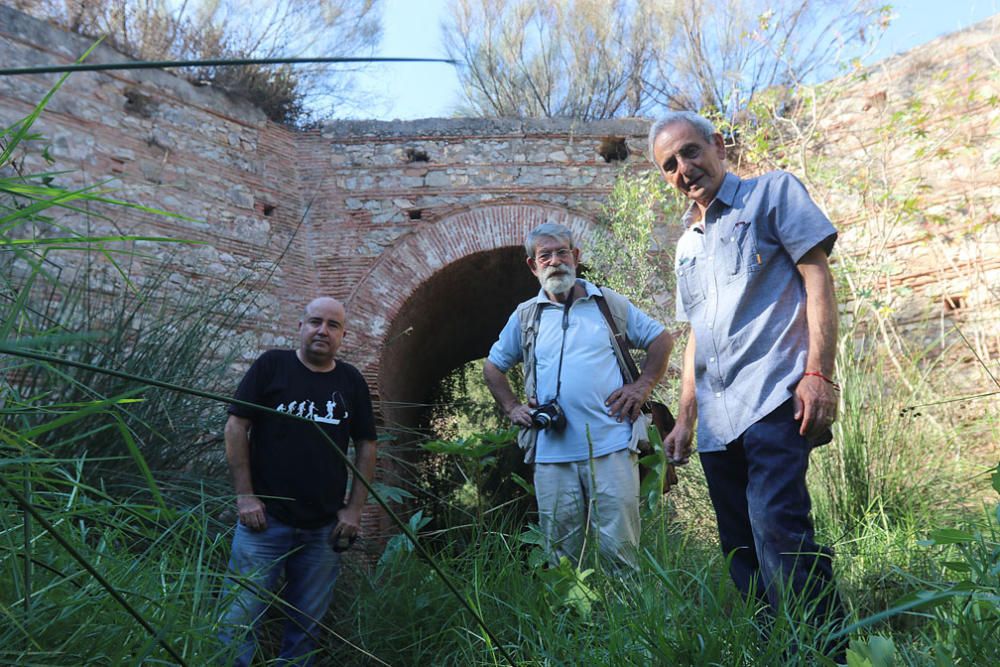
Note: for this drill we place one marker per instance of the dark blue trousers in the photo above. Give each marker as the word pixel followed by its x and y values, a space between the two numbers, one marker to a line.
pixel 758 489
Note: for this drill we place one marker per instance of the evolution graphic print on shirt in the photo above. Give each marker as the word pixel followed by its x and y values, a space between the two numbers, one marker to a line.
pixel 293 466
pixel 336 409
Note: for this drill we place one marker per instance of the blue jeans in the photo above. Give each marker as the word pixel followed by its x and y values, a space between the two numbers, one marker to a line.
pixel 310 567
pixel 758 489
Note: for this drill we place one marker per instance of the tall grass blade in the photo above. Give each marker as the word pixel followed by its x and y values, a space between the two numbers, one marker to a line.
pixel 209 62
pixel 140 461
pixel 79 558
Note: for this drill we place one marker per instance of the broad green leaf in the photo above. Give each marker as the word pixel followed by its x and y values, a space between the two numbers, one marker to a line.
pixel 875 652
pixel 523 483
pixel 532 535
pixel 392 494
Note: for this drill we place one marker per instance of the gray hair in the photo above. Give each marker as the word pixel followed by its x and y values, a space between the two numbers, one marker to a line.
pixel 699 123
pixel 547 230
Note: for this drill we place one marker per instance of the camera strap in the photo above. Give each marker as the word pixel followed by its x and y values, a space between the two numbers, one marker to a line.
pixel 623 349
pixel 562 345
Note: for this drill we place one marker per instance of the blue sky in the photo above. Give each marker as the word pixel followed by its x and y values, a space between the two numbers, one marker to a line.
pixel 412 29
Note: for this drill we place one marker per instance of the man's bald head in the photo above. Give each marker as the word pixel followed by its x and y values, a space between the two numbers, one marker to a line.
pixel 322 302
pixel 321 331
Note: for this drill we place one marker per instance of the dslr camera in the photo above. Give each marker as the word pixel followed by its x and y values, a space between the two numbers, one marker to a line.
pixel 548 416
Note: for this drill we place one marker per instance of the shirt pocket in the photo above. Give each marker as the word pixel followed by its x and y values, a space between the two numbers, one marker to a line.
pixel 741 255
pixel 689 283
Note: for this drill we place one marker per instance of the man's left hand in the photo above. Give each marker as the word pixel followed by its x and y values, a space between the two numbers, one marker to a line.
pixel 815 405
pixel 627 401
pixel 348 523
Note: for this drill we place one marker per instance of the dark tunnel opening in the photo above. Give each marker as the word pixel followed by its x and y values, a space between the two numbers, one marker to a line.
pixel 451 319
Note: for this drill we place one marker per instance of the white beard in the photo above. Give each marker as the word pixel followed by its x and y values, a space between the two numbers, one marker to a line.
pixel 558 280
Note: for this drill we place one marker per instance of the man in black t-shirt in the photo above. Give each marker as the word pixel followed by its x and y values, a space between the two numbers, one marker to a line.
pixel 290 484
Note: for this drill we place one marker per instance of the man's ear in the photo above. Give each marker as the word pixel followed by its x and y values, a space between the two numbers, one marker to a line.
pixel 532 264
pixel 576 255
pixel 720 145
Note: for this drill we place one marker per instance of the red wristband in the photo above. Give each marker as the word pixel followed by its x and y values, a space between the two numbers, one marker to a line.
pixel 824 378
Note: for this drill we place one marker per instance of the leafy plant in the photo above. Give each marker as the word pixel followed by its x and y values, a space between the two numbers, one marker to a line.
pixel 874 652
pixel 400 544
pixel 566 586
pixel 651 487
pixel 626 255
pixel 476 455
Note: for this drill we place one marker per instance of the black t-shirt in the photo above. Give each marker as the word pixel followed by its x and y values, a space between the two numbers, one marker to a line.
pixel 294 469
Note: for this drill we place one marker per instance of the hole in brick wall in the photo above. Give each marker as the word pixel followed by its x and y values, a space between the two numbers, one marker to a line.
pixel 613 149
pixel 139 104
pixel 416 214
pixel 413 155
pixel 953 302
pixel 264 208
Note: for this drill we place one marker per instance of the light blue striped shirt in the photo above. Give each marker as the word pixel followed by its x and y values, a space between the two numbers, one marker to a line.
pixel 738 286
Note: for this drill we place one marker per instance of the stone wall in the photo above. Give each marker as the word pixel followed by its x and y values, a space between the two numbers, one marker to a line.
pixel 150 138
pixel 911 154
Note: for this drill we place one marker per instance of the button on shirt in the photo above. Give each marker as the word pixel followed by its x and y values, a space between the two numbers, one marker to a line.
pixel 738 286
pixel 590 373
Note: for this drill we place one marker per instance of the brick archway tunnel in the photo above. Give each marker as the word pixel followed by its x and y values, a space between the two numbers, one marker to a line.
pixel 449 320
pixel 437 300
pixel 439 297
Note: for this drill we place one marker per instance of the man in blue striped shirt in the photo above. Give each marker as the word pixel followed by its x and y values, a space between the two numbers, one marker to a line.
pixel 754 283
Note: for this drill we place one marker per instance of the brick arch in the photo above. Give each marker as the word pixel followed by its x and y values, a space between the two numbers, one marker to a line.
pixel 435 300
pixel 419 256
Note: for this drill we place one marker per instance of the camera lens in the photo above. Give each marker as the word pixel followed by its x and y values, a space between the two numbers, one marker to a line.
pixel 540 419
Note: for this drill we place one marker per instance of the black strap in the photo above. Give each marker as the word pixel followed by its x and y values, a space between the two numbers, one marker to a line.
pixel 619 339
pixel 562 346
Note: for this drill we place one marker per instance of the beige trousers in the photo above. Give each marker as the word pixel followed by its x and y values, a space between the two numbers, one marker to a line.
pixel 590 503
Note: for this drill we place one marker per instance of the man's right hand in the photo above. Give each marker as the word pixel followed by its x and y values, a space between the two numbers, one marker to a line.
pixel 677 444
pixel 520 414
pixel 251 509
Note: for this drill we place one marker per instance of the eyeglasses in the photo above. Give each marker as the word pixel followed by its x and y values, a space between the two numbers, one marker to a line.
pixel 546 256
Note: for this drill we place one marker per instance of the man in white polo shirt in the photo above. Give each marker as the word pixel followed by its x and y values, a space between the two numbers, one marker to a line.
pixel 578 416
